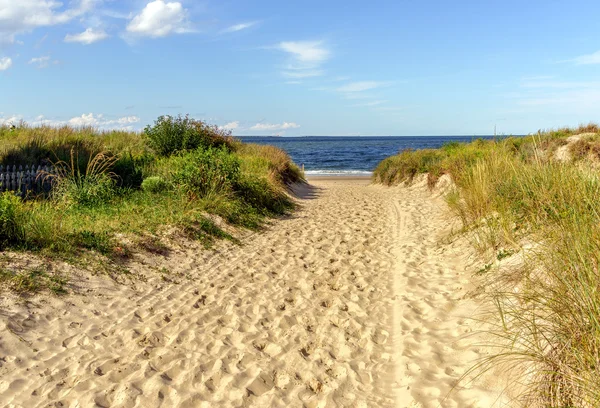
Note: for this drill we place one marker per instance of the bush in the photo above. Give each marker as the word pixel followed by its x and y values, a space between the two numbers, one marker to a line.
pixel 11 223
pixel 202 172
pixel 170 135
pixel 154 184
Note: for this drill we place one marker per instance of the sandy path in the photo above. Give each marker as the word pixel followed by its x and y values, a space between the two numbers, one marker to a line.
pixel 349 302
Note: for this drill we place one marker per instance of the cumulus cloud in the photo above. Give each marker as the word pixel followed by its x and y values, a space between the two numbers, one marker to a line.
pixel 10 120
pixel 5 63
pixel 230 126
pixel 87 119
pixel 17 17
pixel 272 127
pixel 87 37
pixel 159 19
pixel 99 121
pixel 239 27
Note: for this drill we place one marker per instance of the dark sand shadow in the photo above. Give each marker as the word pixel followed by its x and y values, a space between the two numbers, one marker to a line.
pixel 305 191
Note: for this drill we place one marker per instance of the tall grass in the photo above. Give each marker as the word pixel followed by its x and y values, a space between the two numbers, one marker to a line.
pixel 514 197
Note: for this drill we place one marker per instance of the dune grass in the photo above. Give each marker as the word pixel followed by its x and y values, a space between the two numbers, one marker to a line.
pixel 107 185
pixel 513 196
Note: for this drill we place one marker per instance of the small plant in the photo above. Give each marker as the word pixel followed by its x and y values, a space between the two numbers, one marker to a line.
pixel 33 281
pixel 154 184
pixel 101 242
pixel 504 253
pixel 486 268
pixel 94 186
pixel 11 220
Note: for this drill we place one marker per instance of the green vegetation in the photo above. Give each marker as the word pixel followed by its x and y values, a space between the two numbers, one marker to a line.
pixel 110 184
pixel 32 281
pixel 517 193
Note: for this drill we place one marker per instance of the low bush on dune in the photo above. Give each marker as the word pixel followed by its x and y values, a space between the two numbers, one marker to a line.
pixel 109 183
pixel 202 172
pixel 514 191
pixel 170 135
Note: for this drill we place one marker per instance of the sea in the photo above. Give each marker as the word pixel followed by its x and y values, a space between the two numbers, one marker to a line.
pixel 352 155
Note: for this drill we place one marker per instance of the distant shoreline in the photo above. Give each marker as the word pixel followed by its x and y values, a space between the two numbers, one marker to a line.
pixel 331 177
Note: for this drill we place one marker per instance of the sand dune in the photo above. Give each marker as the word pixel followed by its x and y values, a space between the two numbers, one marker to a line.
pixel 350 302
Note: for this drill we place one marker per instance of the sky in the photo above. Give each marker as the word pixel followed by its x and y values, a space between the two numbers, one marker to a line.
pixel 292 68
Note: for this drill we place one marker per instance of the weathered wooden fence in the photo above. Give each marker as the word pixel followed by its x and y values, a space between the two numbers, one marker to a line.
pixel 25 180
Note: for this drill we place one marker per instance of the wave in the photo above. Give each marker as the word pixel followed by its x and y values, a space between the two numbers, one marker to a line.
pixel 329 172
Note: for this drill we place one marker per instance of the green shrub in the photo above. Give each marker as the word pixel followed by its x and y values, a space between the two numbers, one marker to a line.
pixel 203 172
pixel 11 221
pixel 170 135
pixel 154 184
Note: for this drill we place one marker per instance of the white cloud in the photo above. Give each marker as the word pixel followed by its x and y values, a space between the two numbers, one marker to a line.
pixel 230 126
pixel 5 63
pixel 239 27
pixel 42 62
pixel 306 58
pixel 87 37
pixel 99 121
pixel 588 59
pixel 22 16
pixel 360 86
pixel 159 19
pixel 85 120
pixel 556 95
pixel 11 120
pixel 269 126
pixel 127 120
pixel 306 51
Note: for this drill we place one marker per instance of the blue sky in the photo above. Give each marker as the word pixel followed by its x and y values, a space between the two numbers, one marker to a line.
pixel 303 67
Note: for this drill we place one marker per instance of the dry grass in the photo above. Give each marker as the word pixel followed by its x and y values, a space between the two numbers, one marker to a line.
pixel 548 315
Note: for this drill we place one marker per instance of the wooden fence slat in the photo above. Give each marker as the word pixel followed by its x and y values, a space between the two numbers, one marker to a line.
pixel 24 180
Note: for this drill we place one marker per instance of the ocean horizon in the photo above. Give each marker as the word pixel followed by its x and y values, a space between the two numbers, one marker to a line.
pixel 351 155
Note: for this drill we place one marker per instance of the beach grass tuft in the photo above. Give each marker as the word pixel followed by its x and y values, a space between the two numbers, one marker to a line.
pixel 515 197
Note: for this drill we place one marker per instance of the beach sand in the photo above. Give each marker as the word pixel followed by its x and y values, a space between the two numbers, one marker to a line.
pixel 352 301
